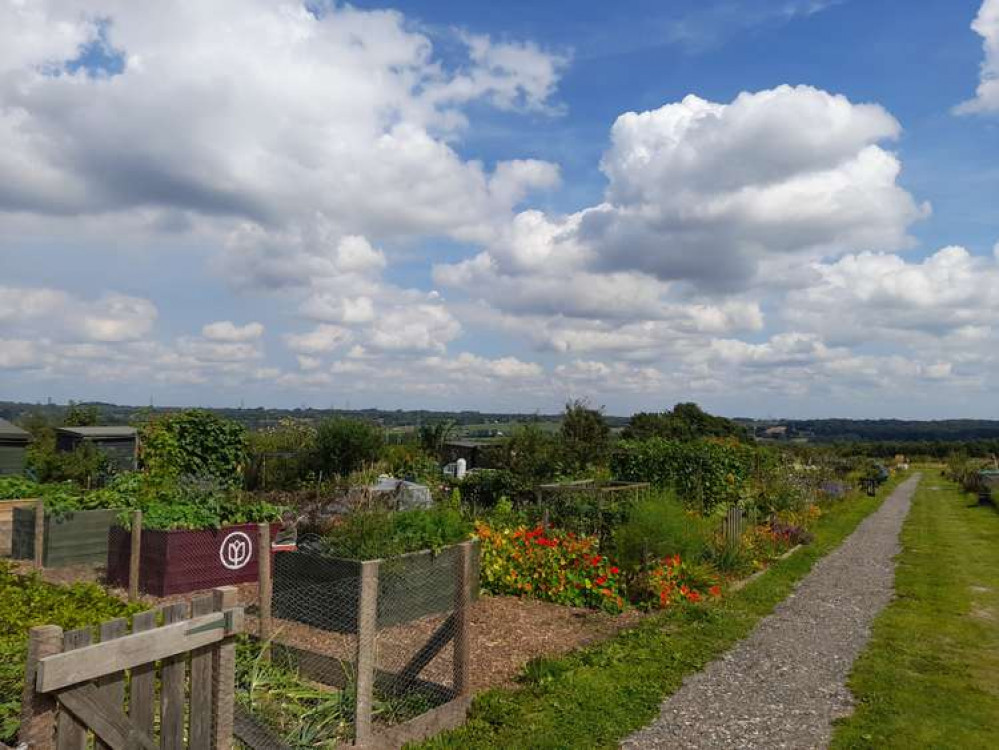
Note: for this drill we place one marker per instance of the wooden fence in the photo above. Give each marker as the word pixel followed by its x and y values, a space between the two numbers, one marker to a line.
pixel 75 687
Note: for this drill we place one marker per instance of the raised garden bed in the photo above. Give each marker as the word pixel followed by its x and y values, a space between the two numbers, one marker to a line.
pixel 182 560
pixel 323 591
pixel 77 537
pixel 7 522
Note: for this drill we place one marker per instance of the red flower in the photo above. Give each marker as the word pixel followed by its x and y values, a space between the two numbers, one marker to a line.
pixel 595 560
pixel 614 571
pixel 715 591
pixel 601 580
pixel 693 596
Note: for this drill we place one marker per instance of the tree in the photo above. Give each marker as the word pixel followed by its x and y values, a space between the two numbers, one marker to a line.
pixel 585 436
pixel 434 436
pixel 687 421
pixel 346 445
pixel 532 454
pixel 82 415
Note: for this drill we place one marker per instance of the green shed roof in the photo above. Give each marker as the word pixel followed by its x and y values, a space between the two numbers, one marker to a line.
pixel 10 431
pixel 95 433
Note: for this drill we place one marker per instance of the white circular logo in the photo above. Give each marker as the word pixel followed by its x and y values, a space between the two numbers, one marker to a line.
pixel 235 550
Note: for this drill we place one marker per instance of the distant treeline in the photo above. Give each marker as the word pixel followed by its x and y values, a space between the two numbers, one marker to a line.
pixel 894 430
pixel 941 449
pixel 257 418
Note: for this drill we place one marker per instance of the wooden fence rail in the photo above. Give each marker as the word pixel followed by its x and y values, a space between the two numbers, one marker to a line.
pixel 75 687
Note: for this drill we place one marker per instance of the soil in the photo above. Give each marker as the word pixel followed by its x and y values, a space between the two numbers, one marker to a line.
pixel 506 632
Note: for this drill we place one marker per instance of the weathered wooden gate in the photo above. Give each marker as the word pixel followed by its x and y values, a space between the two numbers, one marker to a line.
pixel 74 687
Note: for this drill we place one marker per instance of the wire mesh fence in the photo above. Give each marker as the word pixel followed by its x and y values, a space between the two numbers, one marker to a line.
pixel 353 651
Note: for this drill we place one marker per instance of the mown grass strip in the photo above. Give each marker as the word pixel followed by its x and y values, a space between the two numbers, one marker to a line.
pixel 595 697
pixel 929 677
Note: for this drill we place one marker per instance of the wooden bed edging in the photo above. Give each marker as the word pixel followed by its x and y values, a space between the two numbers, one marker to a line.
pixel 424 726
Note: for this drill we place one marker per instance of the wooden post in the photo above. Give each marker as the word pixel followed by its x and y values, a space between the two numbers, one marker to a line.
pixel 265 587
pixel 134 556
pixel 224 676
pixel 367 631
pixel 40 534
pixel 462 618
pixel 38 710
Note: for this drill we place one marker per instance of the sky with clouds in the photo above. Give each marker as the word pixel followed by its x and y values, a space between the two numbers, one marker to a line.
pixel 774 208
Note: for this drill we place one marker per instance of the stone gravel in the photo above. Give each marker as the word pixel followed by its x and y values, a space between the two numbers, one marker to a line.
pixel 784 685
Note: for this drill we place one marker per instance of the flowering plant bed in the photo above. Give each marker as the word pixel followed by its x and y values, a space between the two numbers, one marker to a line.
pixel 180 560
pixel 673 581
pixel 552 565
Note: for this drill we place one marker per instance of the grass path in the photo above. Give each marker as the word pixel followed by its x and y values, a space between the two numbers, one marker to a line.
pixel 929 677
pixel 597 696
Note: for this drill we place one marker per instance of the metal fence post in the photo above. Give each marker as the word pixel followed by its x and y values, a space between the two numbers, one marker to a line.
pixel 367 629
pixel 38 710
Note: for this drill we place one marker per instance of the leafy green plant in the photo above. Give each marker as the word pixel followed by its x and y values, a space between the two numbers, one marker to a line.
pixel 382 534
pixel 705 474
pixel 660 526
pixel 29 601
pixel 280 456
pixel 195 443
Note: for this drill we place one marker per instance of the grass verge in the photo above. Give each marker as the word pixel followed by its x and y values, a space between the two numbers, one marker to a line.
pixel 929 677
pixel 594 697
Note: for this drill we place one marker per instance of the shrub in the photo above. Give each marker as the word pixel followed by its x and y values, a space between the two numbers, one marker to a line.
pixel 553 566
pixel 194 443
pixel 345 445
pixel 658 527
pixel 483 488
pixel 533 455
pixel 705 474
pixel 280 456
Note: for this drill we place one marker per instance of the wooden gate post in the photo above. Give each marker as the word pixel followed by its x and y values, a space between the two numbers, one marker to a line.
pixel 224 676
pixel 265 587
pixel 38 710
pixel 367 631
pixel 135 555
pixel 462 603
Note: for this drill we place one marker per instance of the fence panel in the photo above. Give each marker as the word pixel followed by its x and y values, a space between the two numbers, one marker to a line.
pixel 75 687
pixel 377 649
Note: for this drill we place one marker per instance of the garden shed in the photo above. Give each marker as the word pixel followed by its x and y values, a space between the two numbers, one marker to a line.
pixel 477 454
pixel 120 444
pixel 13 443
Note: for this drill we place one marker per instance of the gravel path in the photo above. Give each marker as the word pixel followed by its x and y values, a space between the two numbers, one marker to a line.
pixel 784 685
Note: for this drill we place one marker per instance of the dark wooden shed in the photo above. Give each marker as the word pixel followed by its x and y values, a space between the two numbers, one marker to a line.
pixel 477 454
pixel 13 443
pixel 120 444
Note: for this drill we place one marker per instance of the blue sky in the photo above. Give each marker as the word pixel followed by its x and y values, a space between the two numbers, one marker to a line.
pixel 776 208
